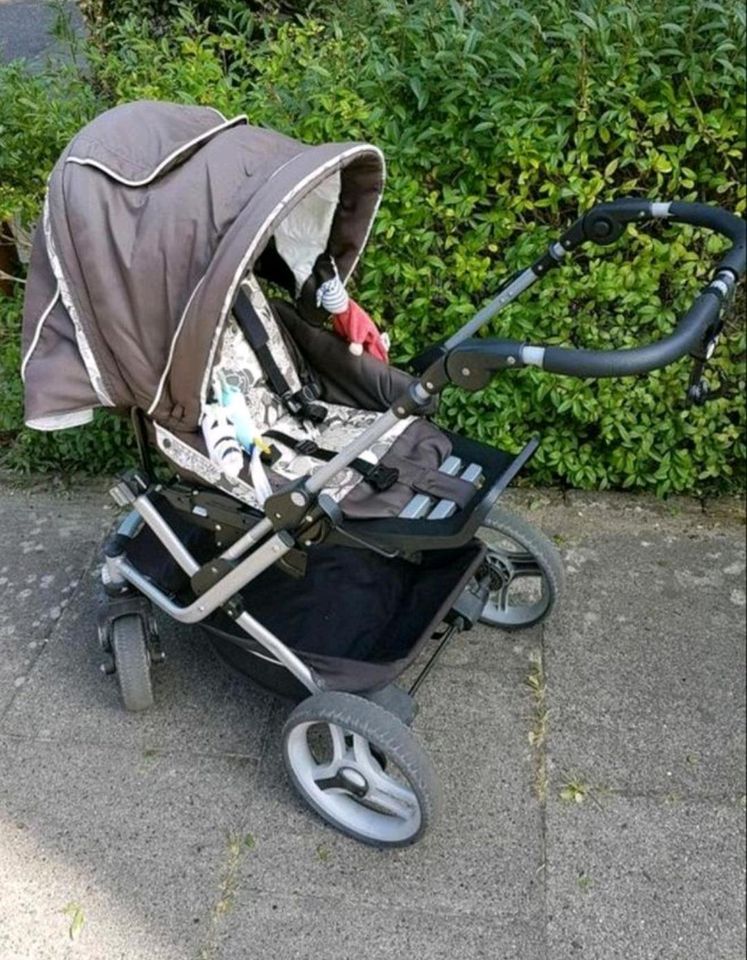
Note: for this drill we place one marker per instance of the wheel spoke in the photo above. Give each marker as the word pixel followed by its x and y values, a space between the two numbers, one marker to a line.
pixel 365 760
pixel 510 564
pixel 334 782
pixel 384 793
pixel 325 774
pixel 386 801
pixel 339 747
pixel 524 565
pixel 500 597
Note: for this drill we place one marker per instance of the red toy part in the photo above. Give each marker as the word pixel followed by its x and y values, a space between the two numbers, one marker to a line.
pixel 355 326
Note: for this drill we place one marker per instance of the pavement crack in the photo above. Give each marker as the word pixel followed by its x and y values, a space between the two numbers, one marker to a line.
pixel 236 846
pixel 536 682
pixel 239 843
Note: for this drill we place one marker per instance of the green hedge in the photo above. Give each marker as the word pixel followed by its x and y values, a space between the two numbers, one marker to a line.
pixel 500 121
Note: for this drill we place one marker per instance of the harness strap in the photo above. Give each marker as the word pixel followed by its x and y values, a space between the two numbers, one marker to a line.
pixel 380 477
pixel 420 478
pixel 431 481
pixel 299 404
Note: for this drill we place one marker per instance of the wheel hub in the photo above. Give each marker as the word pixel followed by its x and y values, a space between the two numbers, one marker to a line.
pixel 354 781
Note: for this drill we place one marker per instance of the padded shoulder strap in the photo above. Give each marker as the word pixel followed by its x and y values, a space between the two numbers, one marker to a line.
pixel 301 403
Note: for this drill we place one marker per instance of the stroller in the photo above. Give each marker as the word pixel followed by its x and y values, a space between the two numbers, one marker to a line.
pixel 182 254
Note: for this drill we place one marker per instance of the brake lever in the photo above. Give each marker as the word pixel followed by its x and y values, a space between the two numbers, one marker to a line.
pixel 698 389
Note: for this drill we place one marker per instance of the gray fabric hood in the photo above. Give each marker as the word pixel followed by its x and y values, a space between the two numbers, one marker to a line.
pixel 154 213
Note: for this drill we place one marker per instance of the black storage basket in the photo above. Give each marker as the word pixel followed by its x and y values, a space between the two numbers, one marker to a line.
pixel 357 617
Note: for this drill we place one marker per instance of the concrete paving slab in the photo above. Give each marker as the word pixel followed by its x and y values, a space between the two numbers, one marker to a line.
pixel 297 928
pixel 504 657
pixel 47 546
pixel 272 880
pixel 637 879
pixel 201 706
pixel 645 663
pixel 138 846
pixel 484 855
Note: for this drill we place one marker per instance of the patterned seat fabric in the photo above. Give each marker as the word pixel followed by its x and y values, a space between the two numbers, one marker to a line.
pixel 238 365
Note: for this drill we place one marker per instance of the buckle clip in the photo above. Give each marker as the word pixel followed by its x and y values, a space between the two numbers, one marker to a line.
pixel 270 456
pixel 382 478
pixel 292 404
pixel 307 447
pixel 301 404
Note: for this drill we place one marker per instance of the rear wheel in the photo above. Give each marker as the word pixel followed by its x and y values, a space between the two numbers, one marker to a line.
pixel 526 572
pixel 361 769
pixel 132 661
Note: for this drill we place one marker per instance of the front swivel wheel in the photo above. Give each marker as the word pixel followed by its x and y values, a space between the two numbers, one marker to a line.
pixel 361 769
pixel 129 646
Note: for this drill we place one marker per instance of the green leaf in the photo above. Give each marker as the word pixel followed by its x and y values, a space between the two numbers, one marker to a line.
pixel 77 919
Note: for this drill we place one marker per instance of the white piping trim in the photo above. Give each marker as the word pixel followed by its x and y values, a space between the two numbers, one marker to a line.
pixel 172 347
pixel 239 272
pixel 89 361
pixel 61 421
pixel 87 162
pixel 283 166
pixel 216 110
pixel 37 332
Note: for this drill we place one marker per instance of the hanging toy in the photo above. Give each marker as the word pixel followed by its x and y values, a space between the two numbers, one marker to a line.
pixel 234 403
pixel 235 407
pixel 350 321
pixel 260 482
pixel 219 432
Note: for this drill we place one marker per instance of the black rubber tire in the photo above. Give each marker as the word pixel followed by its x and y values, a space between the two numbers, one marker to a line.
pixel 544 551
pixel 388 736
pixel 132 662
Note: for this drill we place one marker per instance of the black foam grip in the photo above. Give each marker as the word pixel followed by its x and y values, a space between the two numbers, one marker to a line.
pixel 624 363
pixel 721 221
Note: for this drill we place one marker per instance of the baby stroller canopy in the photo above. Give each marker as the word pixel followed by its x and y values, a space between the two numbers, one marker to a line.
pixel 154 214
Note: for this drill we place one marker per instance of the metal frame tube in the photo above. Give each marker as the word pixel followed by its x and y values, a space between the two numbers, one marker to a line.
pixel 227 587
pixel 192 614
pixel 254 535
pixel 166 535
pixel 130 526
pixel 511 291
pixel 222 591
pixel 354 449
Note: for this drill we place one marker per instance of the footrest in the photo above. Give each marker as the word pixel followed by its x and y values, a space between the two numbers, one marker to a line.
pixel 430 524
pixel 424 507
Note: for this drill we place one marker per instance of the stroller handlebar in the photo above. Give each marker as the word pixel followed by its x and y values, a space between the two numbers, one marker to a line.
pixel 470 362
pixel 721 221
pixel 473 363
pixel 687 338
pixel 604 224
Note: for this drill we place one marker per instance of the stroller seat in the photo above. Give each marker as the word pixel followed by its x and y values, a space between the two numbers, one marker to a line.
pixel 423 477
